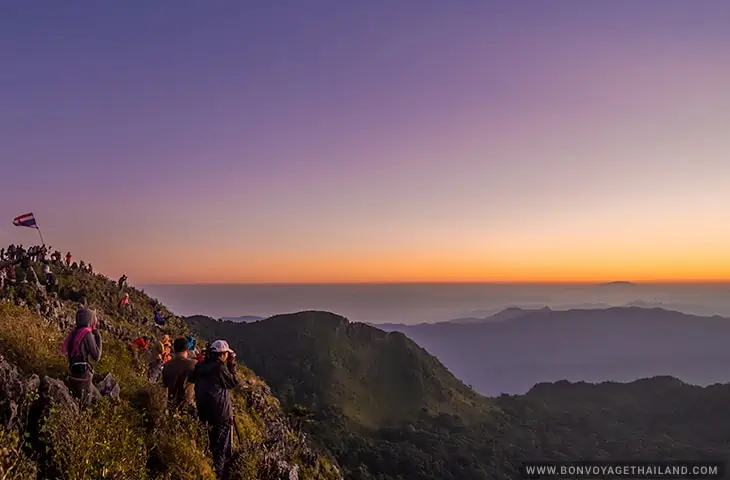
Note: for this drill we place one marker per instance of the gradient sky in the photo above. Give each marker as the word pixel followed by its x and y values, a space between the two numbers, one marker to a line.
pixel 408 140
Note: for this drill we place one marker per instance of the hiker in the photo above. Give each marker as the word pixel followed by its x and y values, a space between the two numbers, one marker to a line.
pixel 154 370
pixel 213 379
pixel 159 319
pixel 6 268
pixel 123 303
pixel 175 373
pixel 139 344
pixel 122 282
pixel 50 278
pixel 68 259
pixel 191 342
pixel 25 267
pixel 83 342
pixel 163 349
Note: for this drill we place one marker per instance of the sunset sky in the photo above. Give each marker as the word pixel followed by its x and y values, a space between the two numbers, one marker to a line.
pixel 185 141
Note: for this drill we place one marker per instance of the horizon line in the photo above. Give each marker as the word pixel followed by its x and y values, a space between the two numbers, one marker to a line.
pixel 527 310
pixel 494 283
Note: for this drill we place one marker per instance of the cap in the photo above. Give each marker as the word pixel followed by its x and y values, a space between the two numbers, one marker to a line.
pixel 220 346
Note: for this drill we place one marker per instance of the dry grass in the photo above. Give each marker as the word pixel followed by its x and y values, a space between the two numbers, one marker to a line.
pixel 30 342
pixel 102 442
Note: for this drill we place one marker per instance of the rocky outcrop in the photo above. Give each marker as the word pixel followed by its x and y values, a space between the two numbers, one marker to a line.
pixel 109 387
pixel 281 440
pixel 22 397
pixel 54 392
pixel 16 395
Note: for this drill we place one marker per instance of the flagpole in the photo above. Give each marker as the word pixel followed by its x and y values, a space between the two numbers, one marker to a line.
pixel 39 230
pixel 41 235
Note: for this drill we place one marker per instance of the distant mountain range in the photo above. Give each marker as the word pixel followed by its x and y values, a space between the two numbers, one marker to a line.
pixel 504 315
pixel 511 351
pixel 689 308
pixel 618 283
pixel 243 318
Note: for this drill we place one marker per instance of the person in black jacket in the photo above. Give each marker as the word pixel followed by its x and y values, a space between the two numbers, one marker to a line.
pixel 213 379
pixel 83 342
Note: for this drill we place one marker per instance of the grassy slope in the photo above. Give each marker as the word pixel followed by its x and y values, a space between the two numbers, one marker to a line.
pixel 134 438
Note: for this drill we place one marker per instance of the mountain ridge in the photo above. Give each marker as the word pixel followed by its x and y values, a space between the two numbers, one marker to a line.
pixel 511 313
pixel 317 336
pixel 656 418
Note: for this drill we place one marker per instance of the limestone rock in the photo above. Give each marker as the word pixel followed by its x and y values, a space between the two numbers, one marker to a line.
pixel 16 395
pixel 54 392
pixel 109 387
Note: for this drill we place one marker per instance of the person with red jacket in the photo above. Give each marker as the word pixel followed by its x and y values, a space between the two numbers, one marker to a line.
pixel 141 343
pixel 124 304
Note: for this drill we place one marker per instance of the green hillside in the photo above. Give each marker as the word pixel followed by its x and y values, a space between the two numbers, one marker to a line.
pixel 319 359
pixel 389 411
pixel 44 434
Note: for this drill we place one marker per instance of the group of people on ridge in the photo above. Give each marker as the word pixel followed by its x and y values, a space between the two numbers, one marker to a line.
pixel 16 266
pixel 203 387
pixel 197 386
pixel 198 380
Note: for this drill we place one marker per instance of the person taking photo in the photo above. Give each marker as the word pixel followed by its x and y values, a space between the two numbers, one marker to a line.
pixel 213 379
pixel 82 343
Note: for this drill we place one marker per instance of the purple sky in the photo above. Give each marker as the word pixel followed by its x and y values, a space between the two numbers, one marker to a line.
pixel 324 140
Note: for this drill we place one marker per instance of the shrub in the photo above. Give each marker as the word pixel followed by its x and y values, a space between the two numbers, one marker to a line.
pixel 179 449
pixel 118 360
pixel 177 443
pixel 152 401
pixel 14 463
pixel 244 466
pixel 322 470
pixel 104 441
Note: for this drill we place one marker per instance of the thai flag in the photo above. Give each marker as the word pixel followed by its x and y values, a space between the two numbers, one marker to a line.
pixel 27 220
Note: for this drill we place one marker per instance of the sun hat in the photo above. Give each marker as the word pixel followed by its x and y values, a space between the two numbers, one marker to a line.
pixel 220 346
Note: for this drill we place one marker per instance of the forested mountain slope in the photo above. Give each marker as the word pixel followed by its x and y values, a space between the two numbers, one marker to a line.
pixel 316 359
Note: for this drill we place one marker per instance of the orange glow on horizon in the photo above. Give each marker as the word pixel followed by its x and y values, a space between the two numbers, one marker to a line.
pixel 334 269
